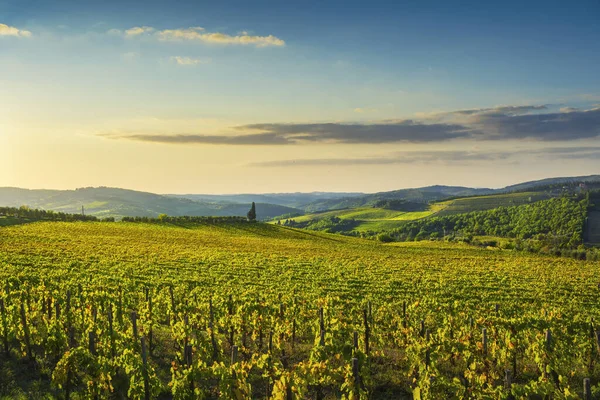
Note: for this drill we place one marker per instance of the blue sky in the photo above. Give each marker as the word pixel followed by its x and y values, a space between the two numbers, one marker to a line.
pixel 193 96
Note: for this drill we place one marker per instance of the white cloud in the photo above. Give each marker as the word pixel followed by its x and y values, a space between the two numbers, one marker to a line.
pixel 199 34
pixel 6 30
pixel 568 109
pixel 360 110
pixel 188 61
pixel 139 30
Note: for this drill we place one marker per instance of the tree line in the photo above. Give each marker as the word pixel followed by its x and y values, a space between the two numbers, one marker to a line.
pixel 559 220
pixel 183 219
pixel 24 212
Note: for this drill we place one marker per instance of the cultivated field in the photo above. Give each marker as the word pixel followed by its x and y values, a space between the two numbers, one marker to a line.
pixel 111 310
pixel 481 203
pixel 380 219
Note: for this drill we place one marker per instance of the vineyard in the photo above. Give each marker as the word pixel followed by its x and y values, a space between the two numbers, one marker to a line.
pixel 482 203
pixel 98 310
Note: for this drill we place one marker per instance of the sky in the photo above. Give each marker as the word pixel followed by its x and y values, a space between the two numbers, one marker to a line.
pixel 265 96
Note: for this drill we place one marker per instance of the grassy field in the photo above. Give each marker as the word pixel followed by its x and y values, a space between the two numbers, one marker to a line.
pixel 278 279
pixel 373 219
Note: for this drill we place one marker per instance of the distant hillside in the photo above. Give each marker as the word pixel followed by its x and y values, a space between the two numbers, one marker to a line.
pixel 423 195
pixel 377 219
pixel 327 201
pixel 295 200
pixel 112 202
pixel 557 223
pixel 481 203
pixel 551 182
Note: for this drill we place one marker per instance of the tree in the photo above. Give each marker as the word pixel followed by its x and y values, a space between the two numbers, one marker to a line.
pixel 252 213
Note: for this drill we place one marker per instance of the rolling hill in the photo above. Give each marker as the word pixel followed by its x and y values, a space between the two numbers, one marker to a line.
pixel 365 208
pixel 326 201
pixel 553 181
pixel 111 202
pixel 423 195
pixel 294 200
pixel 374 219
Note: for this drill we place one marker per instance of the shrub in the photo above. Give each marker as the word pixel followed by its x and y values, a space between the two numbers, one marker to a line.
pixel 385 238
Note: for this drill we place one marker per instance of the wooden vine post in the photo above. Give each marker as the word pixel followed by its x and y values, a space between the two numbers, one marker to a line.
pixel 367 332
pixel 134 325
pixel 26 332
pixel 150 335
pixel 234 358
pixel 111 332
pixel 427 350
pixel 356 376
pixel 321 328
pixel 4 327
pixel 230 312
pixel 211 325
pixel 145 370
pixel 484 341
pixel 587 389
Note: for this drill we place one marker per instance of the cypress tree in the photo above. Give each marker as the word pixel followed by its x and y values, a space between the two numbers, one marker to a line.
pixel 252 213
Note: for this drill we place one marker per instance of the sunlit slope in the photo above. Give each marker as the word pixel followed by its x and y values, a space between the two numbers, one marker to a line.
pixel 380 219
pixel 370 219
pixel 174 252
pixel 482 203
pixel 363 214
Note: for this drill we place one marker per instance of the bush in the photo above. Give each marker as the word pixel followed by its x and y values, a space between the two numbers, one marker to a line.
pixel 385 238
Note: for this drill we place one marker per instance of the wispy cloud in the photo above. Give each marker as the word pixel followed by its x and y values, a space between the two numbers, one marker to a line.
pixel 507 123
pixel 506 110
pixel 188 61
pixel 409 157
pixel 568 109
pixel 362 110
pixel 556 126
pixel 199 34
pixel 402 131
pixel 258 139
pixel 139 30
pixel 6 30
pixel 452 157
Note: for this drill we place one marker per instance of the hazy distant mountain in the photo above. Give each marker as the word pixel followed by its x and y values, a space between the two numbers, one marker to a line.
pixel 437 192
pixel 112 202
pixel 296 200
pixel 424 195
pixel 552 181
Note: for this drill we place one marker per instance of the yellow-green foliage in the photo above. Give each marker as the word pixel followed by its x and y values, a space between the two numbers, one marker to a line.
pixel 370 219
pixel 480 203
pixel 278 279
